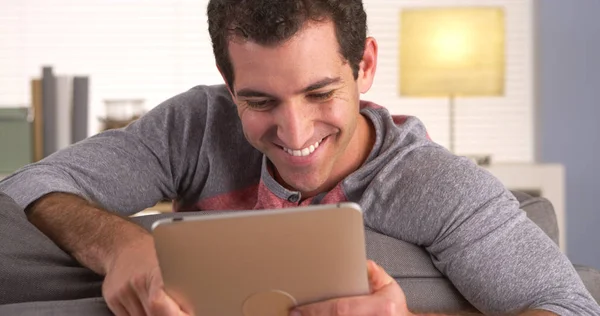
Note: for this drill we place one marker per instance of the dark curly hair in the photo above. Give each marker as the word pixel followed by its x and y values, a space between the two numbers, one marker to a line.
pixel 271 22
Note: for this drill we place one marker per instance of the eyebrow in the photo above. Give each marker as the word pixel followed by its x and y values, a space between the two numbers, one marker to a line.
pixel 250 93
pixel 321 84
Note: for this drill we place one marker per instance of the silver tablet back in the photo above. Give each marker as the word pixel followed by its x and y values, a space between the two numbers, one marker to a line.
pixel 261 263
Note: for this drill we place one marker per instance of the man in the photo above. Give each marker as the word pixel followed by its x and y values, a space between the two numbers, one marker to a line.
pixel 288 129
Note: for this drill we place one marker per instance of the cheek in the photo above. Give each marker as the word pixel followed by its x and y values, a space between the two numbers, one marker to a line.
pixel 339 113
pixel 254 125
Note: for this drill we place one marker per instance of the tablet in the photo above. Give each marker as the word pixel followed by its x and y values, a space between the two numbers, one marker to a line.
pixel 262 263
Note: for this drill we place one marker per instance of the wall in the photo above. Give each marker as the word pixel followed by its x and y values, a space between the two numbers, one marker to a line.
pixel 569 110
pixel 154 49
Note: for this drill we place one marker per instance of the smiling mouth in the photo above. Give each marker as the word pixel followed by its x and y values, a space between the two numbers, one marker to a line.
pixel 304 151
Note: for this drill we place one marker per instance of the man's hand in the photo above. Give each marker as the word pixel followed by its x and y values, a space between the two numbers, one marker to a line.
pixel 386 299
pixel 109 245
pixel 133 284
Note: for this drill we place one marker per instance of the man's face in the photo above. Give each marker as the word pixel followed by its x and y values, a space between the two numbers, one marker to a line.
pixel 299 104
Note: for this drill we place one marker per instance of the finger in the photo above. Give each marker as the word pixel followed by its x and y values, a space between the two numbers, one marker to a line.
pixel 154 300
pixel 176 306
pixel 163 305
pixel 378 278
pixel 383 285
pixel 117 308
pixel 350 306
pixel 131 302
pixel 141 286
pixel 159 302
pixel 119 303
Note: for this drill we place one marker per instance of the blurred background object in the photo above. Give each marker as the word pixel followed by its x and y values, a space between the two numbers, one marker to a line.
pixel 16 147
pixel 452 53
pixel 121 112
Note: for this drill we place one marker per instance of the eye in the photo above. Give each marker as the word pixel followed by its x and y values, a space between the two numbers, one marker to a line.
pixel 259 104
pixel 321 96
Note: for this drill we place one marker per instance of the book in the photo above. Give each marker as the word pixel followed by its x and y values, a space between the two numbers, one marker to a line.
pixel 49 110
pixel 38 120
pixel 64 109
pixel 80 108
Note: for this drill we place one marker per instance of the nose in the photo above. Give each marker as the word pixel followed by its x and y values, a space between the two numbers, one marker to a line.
pixel 294 124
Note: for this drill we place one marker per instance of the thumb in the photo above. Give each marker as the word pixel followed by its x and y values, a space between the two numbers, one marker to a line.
pixel 382 284
pixel 160 302
pixel 163 304
pixel 173 307
pixel 378 278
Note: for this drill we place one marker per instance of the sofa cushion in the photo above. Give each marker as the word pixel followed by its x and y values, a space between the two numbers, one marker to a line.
pixel 425 287
pixel 94 306
pixel 33 268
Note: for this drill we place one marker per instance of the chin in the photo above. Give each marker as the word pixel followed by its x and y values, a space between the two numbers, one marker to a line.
pixel 304 186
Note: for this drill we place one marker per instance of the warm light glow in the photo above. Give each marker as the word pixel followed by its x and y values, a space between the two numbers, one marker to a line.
pixel 458 51
pixel 453 43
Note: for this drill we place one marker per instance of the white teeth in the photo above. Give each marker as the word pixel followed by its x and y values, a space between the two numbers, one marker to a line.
pixel 303 152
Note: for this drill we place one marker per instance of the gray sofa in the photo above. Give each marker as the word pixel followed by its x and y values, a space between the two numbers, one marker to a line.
pixel 541 212
pixel 427 289
pixel 38 278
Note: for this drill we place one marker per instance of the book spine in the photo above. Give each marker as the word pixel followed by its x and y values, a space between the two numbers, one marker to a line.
pixel 80 108
pixel 38 120
pixel 49 113
pixel 64 109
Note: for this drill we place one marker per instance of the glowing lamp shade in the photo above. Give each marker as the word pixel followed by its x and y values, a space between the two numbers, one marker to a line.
pixel 452 52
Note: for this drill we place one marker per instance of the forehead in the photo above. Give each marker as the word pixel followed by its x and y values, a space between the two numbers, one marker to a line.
pixel 310 55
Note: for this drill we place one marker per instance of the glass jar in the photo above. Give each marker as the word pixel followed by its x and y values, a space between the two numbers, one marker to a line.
pixel 121 112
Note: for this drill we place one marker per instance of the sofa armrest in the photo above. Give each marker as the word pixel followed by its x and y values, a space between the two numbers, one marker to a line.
pixel 591 280
pixel 541 212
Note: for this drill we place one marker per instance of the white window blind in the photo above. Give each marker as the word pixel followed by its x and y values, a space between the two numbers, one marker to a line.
pixel 154 49
pixel 150 49
pixel 502 127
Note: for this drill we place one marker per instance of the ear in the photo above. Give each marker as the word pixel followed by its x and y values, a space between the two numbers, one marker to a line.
pixel 368 65
pixel 230 89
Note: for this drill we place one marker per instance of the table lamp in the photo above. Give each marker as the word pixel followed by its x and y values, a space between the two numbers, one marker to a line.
pixel 452 52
